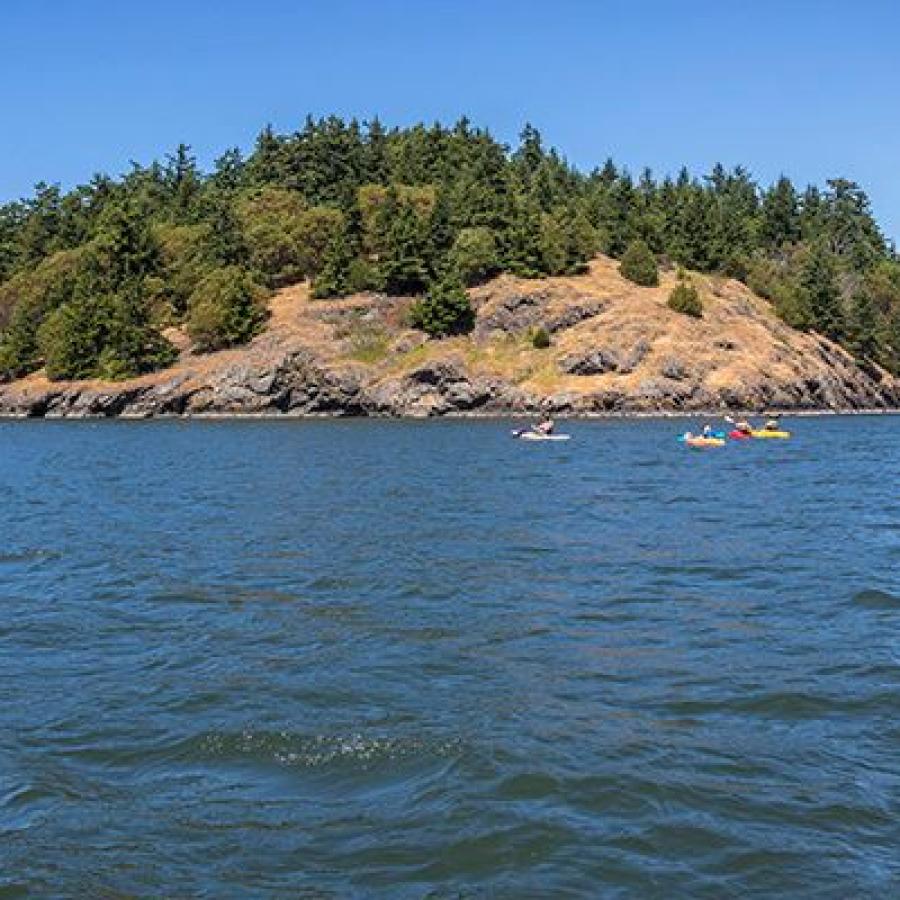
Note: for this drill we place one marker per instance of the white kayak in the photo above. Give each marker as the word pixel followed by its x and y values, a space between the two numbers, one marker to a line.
pixel 537 436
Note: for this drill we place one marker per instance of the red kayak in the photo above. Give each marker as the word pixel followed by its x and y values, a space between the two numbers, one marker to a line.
pixel 739 435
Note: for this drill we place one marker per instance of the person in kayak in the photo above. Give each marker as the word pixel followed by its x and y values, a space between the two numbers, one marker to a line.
pixel 545 426
pixel 707 430
pixel 772 425
pixel 743 426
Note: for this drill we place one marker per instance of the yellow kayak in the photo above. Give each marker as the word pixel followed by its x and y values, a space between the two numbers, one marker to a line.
pixel 704 442
pixel 763 433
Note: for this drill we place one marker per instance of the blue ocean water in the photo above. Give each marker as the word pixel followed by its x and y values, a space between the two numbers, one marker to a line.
pixel 366 658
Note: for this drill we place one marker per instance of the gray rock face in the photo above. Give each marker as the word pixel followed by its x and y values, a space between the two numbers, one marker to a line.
pixel 595 362
pixel 605 359
pixel 514 315
pixel 674 368
pixel 298 383
pixel 574 316
pixel 634 357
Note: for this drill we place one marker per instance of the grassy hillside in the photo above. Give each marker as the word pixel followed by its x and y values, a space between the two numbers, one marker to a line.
pixel 610 345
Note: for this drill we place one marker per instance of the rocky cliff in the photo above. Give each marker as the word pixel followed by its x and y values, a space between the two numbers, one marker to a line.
pixel 615 348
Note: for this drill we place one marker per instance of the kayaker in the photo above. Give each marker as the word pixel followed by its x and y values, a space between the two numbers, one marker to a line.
pixel 545 426
pixel 743 427
pixel 707 430
pixel 772 425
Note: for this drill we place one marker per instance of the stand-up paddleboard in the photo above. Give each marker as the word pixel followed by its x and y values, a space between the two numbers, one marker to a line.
pixel 525 434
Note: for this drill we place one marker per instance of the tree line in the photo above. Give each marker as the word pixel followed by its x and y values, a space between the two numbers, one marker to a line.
pixel 91 278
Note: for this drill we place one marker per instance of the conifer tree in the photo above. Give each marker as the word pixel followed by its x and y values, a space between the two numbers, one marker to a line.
pixel 862 324
pixel 524 253
pixel 639 265
pixel 227 244
pixel 334 278
pixel 818 283
pixel 781 214
pixel 444 310
pixel 403 266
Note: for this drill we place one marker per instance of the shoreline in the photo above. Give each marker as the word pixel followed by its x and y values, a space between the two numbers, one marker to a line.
pixel 456 416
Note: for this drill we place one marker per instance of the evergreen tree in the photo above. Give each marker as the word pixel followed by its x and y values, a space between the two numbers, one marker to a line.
pixel 444 310
pixel 124 250
pixel 403 264
pixel 524 254
pixel 229 171
pixel 130 344
pixel 70 339
pixel 226 309
pixel 862 325
pixel 440 235
pixel 818 283
pixel 684 299
pixel 19 353
pixel 851 230
pixel 227 244
pixel 375 160
pixel 40 223
pixel 335 277
pixel 781 214
pixel 639 265
pixel 183 182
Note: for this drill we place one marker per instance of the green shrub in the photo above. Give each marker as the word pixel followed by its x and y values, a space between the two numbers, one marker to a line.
pixel 474 255
pixel 369 341
pixel 639 265
pixel 540 339
pixel 226 309
pixel 286 240
pixel 736 265
pixel 183 249
pixel 685 299
pixel 444 310
pixel 362 276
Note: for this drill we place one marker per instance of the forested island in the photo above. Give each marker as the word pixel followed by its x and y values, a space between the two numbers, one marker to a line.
pixel 348 268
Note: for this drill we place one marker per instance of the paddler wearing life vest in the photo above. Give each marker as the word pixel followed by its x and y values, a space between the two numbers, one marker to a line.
pixel 742 425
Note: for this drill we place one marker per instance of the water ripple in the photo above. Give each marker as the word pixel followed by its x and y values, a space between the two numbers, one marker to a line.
pixel 355 659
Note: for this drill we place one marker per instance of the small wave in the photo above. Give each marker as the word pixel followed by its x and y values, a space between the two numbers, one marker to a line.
pixel 528 786
pixel 284 748
pixel 874 599
pixel 30 555
pixel 788 705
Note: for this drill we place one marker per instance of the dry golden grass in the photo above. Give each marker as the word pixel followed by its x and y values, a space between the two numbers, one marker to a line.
pixel 738 340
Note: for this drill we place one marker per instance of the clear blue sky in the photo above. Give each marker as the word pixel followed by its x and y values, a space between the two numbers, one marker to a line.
pixel 808 88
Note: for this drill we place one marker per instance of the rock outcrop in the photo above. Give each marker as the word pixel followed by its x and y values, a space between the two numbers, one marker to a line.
pixel 615 348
